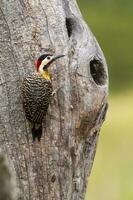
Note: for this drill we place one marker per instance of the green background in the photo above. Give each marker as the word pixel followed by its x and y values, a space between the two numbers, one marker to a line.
pixel 111 21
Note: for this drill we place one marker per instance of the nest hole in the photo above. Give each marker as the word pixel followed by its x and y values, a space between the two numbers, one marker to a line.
pixel 69 26
pixel 97 71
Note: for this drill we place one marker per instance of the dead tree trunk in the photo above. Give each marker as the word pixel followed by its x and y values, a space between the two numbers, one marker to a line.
pixel 56 168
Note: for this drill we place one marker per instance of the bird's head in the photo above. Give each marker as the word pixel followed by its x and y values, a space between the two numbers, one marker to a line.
pixel 43 63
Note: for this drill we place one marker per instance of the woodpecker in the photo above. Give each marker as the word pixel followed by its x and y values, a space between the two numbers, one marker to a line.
pixel 37 92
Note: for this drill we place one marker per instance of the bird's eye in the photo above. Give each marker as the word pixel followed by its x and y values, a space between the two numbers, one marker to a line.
pixel 48 57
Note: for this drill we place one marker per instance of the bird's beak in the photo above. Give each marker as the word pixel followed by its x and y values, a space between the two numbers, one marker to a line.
pixel 53 59
pixel 57 57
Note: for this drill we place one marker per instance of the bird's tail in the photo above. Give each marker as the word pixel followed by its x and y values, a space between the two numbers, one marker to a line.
pixel 37 131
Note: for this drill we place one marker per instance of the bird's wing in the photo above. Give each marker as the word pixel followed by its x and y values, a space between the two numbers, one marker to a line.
pixel 36 96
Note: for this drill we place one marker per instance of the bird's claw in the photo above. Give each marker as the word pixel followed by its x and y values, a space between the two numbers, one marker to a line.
pixel 55 91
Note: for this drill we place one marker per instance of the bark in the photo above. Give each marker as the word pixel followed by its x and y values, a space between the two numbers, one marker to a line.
pixel 56 168
pixel 7 181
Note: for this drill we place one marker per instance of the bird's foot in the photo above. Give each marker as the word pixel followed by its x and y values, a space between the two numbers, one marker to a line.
pixel 55 91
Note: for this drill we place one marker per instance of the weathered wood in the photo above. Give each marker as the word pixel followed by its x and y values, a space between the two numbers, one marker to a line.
pixel 56 168
pixel 7 182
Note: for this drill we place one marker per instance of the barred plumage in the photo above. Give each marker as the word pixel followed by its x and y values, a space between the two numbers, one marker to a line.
pixel 36 92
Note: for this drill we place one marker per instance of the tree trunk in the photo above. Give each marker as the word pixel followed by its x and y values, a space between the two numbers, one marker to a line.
pixel 57 167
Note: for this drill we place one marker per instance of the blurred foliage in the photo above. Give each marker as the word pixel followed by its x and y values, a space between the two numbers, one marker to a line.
pixel 112 176
pixel 111 23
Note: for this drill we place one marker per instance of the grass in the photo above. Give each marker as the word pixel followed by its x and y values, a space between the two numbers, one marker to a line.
pixel 110 21
pixel 112 176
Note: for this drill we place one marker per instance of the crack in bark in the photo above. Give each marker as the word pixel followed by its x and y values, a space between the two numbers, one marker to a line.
pixel 47 26
pixel 42 167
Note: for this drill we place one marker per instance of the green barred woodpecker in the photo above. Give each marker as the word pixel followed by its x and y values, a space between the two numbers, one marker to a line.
pixel 37 91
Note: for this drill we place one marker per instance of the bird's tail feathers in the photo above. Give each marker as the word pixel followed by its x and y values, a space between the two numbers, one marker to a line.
pixel 37 131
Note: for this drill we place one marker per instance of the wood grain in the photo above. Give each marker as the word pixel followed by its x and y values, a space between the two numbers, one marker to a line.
pixel 57 168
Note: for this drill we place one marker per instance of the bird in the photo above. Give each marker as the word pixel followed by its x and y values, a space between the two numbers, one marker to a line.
pixel 37 92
